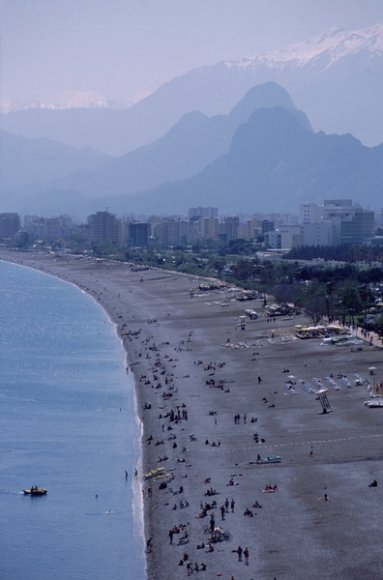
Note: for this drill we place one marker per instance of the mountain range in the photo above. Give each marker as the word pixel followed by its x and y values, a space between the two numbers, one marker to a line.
pixel 336 78
pixel 262 157
pixel 194 142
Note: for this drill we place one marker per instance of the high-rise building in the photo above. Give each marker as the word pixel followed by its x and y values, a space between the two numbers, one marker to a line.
pixel 249 230
pixel 103 227
pixel 210 228
pixel 310 213
pixel 358 229
pixel 138 234
pixel 353 225
pixel 9 224
pixel 337 222
pixel 267 226
pixel 228 229
pixel 172 232
pixel 318 234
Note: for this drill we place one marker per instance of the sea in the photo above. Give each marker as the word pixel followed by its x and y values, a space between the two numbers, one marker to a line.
pixel 68 424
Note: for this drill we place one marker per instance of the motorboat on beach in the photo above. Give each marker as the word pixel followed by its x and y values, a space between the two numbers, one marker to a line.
pixel 266 460
pixel 35 491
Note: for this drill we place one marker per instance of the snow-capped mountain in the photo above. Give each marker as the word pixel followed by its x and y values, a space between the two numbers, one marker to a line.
pixel 336 78
pixel 327 49
pixel 66 100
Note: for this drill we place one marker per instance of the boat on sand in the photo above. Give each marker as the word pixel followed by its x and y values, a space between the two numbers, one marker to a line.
pixel 266 460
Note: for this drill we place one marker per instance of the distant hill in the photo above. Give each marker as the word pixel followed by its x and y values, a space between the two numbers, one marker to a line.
pixel 336 78
pixel 30 163
pixel 274 164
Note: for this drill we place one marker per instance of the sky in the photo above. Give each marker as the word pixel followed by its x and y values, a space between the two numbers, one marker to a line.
pixel 54 50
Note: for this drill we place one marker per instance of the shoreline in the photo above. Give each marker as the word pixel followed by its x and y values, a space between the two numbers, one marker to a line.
pixel 197 370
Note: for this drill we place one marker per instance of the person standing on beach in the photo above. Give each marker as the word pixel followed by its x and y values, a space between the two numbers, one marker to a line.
pixel 325 494
pixel 171 536
pixel 246 554
pixel 239 551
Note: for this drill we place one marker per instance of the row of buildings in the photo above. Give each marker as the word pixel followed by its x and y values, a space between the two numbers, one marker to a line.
pixel 336 222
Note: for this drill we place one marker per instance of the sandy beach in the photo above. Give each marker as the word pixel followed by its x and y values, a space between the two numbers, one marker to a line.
pixel 213 398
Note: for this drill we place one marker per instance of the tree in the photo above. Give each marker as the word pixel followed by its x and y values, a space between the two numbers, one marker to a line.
pixel 351 302
pixel 314 301
pixel 23 240
pixel 290 293
pixel 243 269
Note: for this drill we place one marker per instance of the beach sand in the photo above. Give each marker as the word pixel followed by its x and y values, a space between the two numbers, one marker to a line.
pixel 208 417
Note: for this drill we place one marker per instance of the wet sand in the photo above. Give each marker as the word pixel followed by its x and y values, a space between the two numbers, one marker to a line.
pixel 208 417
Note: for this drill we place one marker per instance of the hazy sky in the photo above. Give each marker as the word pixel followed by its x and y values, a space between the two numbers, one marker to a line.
pixel 123 49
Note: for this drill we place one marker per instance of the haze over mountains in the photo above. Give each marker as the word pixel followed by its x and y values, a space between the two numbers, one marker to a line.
pixel 336 78
pixel 187 148
pixel 255 159
pixel 260 156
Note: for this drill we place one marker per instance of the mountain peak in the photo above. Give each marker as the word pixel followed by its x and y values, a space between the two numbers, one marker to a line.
pixel 269 94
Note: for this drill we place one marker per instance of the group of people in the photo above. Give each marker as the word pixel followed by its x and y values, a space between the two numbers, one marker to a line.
pixel 174 416
pixel 244 553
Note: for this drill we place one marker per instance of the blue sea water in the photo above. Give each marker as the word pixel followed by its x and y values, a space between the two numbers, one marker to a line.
pixel 67 423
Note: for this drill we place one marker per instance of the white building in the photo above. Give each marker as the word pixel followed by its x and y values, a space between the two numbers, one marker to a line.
pixel 310 213
pixel 318 234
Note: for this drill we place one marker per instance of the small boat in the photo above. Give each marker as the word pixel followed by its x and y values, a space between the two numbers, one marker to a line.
pixel 374 403
pixel 265 460
pixel 35 490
